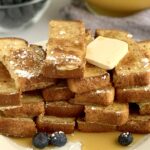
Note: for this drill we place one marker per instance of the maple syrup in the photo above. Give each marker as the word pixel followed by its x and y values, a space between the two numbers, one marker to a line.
pixel 90 141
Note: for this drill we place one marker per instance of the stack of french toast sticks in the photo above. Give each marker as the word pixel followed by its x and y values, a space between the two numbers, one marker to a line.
pixel 56 89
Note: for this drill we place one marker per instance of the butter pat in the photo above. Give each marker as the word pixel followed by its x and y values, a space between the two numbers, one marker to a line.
pixel 106 52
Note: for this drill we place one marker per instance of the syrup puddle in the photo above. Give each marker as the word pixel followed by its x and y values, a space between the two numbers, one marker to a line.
pixel 92 141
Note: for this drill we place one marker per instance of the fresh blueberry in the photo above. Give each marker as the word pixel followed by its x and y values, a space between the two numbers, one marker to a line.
pixel 125 138
pixel 40 140
pixel 58 139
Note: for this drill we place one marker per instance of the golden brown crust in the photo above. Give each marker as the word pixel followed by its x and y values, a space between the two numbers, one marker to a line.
pixel 4 74
pixel 63 109
pixel 65 50
pixel 57 25
pixel 8 44
pixel 84 126
pixel 133 69
pixel 133 94
pixel 115 114
pixel 57 92
pixel 94 78
pixel 49 71
pixel 87 84
pixel 9 95
pixel 27 69
pixel 15 127
pixel 89 37
pixel 34 83
pixel 10 99
pixel 12 42
pixel 132 79
pixel 12 39
pixel 104 96
pixel 25 110
pixel 144 108
pixel 114 33
pixel 120 35
pixel 49 125
pixel 136 124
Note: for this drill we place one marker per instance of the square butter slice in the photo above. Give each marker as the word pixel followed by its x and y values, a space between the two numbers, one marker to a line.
pixel 106 52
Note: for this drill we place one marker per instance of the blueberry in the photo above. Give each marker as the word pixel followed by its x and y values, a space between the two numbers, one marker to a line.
pixel 40 140
pixel 58 139
pixel 125 138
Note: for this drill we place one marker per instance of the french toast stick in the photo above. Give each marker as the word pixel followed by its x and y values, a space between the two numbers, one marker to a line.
pixel 65 50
